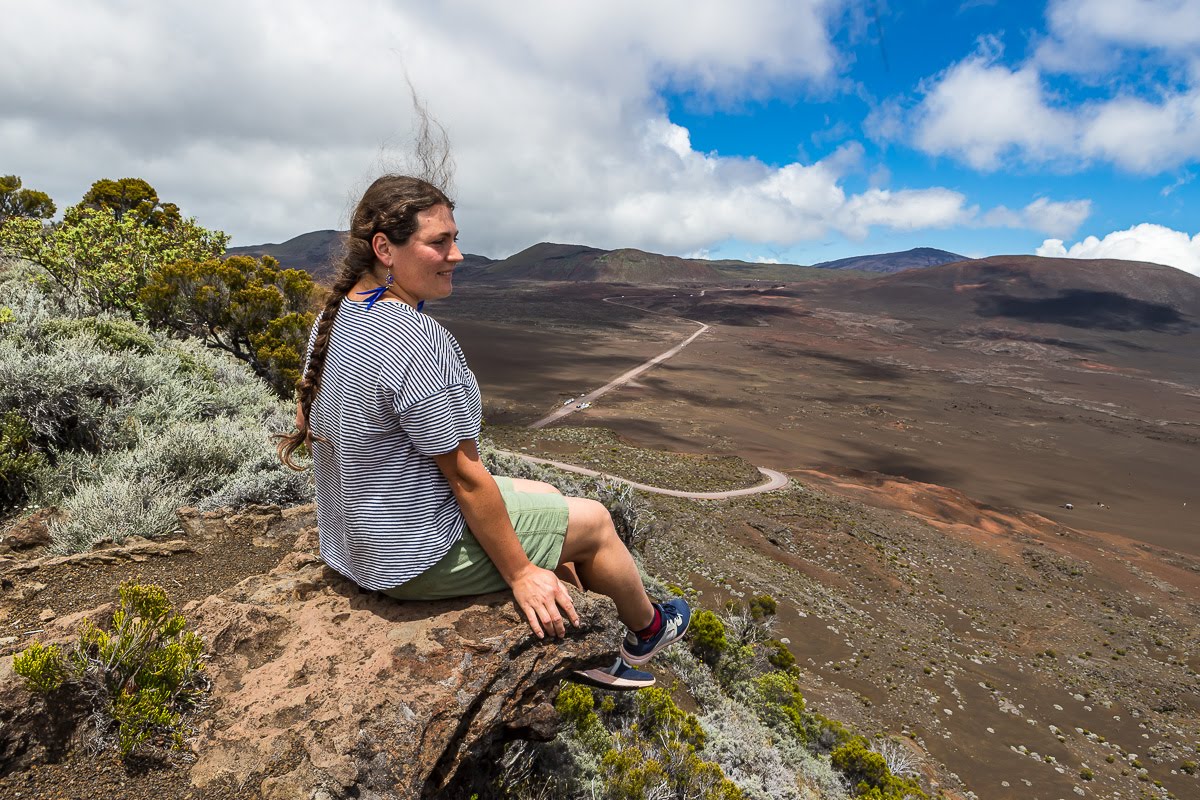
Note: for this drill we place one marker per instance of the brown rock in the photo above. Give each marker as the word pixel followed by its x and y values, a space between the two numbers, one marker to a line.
pixel 323 687
pixel 264 522
pixel 32 531
pixel 135 549
pixel 323 690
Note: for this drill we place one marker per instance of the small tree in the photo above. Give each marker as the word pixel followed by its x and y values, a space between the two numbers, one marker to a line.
pixel 18 202
pixel 134 197
pixel 104 259
pixel 252 309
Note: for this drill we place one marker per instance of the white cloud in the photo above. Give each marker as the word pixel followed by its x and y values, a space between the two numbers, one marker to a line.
pixel 1047 216
pixel 1144 137
pixel 1145 242
pixel 268 125
pixel 988 114
pixel 1088 35
pixel 907 209
pixel 978 111
pixel 982 113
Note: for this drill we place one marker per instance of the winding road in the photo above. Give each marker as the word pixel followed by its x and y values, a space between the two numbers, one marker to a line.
pixel 774 479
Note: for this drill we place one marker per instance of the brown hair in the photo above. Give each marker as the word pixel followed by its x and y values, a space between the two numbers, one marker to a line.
pixel 389 206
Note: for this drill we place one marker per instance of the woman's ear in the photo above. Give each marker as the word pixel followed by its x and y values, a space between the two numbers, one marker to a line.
pixel 383 249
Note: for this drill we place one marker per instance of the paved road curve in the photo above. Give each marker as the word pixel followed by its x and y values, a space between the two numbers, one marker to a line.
pixel 775 480
pixel 621 379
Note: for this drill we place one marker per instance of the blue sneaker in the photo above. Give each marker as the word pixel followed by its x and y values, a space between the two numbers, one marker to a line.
pixel 677 615
pixel 619 676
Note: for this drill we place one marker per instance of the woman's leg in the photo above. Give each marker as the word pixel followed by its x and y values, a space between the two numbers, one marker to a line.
pixel 533 487
pixel 565 571
pixel 603 563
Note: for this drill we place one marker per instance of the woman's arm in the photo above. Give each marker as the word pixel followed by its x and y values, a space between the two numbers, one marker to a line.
pixel 538 592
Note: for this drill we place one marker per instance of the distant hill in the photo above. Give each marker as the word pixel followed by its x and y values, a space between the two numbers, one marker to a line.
pixel 571 262
pixel 547 261
pixel 317 253
pixel 320 253
pixel 1088 293
pixel 894 262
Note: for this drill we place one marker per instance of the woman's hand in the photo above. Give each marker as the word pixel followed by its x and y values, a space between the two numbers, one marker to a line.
pixel 540 594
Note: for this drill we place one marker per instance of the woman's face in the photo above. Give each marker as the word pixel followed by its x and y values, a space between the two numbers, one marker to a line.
pixel 422 267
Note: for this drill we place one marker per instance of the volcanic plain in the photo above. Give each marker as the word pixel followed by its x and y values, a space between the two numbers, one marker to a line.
pixel 991 546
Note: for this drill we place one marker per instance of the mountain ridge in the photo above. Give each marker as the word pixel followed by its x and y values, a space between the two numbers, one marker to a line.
pixel 898 261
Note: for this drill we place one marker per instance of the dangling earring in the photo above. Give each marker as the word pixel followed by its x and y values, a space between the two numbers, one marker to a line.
pixel 373 295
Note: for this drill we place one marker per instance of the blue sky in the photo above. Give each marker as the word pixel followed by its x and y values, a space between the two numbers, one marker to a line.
pixel 788 130
pixel 892 52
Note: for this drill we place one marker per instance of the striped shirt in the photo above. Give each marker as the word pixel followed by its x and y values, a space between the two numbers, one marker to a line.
pixel 395 391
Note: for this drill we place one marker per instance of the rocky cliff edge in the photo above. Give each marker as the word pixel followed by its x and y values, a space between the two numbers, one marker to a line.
pixel 324 691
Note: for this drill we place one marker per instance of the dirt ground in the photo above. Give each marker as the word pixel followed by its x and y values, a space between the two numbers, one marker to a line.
pixel 933 582
pixel 1030 417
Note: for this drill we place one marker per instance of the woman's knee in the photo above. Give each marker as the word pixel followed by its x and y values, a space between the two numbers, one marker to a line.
pixel 589 525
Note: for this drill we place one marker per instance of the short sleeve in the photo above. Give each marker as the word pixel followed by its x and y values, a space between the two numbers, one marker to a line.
pixel 437 423
pixel 434 394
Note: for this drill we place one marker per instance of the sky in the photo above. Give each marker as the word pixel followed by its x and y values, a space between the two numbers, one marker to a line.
pixel 796 131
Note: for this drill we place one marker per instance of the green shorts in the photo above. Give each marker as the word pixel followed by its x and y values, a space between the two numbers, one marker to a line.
pixel 540 521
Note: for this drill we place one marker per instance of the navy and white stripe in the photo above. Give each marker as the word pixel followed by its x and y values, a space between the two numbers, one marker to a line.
pixel 395 391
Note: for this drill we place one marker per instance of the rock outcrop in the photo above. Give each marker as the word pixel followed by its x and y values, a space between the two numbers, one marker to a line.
pixel 324 691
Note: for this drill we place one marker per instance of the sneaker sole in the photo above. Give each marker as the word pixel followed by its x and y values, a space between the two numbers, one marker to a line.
pixel 600 678
pixel 635 661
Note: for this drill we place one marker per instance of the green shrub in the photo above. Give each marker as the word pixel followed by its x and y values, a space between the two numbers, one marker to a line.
pixel 42 667
pixel 66 393
pixel 115 507
pixel 128 425
pixel 636 769
pixel 268 487
pixel 738 665
pixel 659 714
pixel 19 461
pixel 763 606
pixel 576 704
pixel 138 676
pixel 867 771
pixel 115 334
pixel 706 637
pixel 780 657
pixel 778 702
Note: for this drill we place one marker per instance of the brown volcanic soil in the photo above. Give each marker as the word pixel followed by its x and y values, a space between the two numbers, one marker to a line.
pixel 1016 652
pixel 31 600
pixel 893 377
pixel 961 410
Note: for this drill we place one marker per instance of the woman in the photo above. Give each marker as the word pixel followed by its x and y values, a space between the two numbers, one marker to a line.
pixel 404 503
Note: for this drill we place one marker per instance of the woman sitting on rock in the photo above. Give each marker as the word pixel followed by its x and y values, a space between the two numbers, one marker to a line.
pixel 404 503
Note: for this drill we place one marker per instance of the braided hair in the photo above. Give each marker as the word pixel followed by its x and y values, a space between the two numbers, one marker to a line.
pixel 389 206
